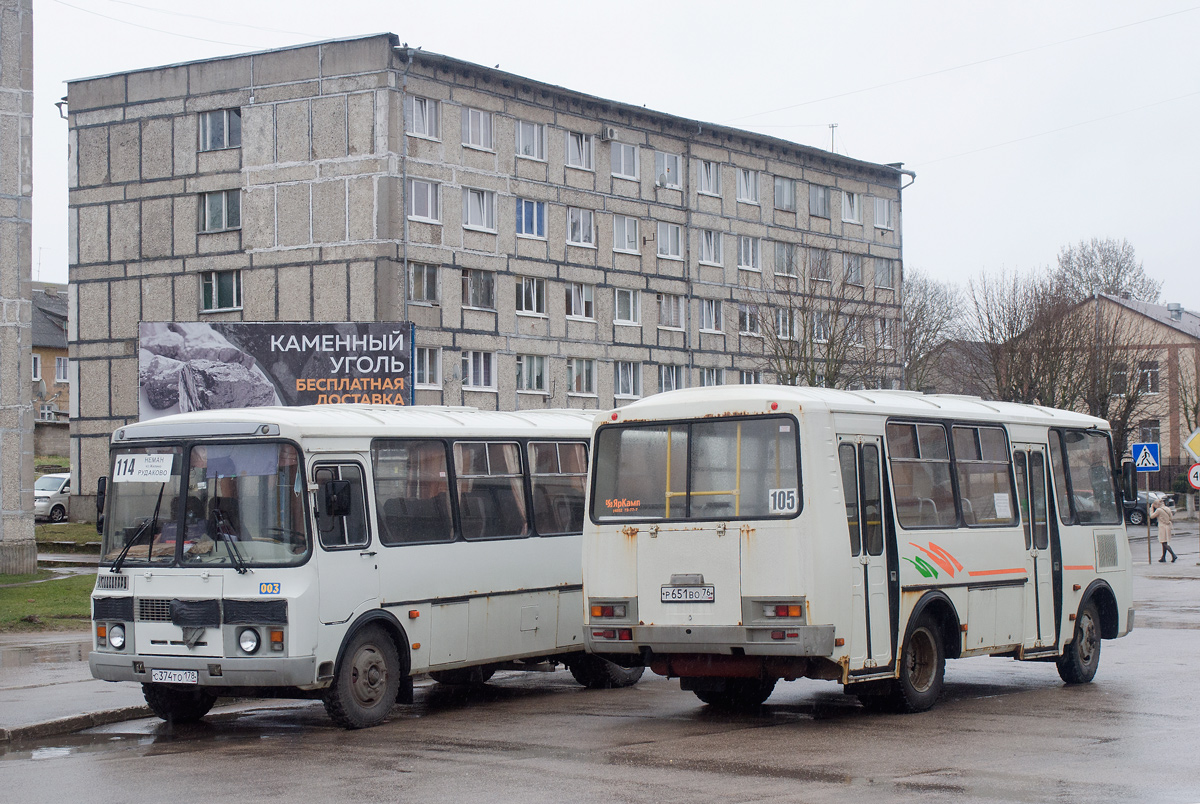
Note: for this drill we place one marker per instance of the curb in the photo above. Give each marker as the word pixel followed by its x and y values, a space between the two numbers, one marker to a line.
pixel 74 723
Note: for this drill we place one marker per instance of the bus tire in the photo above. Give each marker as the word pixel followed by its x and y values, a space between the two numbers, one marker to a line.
pixel 922 667
pixel 1081 658
pixel 367 682
pixel 739 693
pixel 596 673
pixel 176 705
pixel 465 676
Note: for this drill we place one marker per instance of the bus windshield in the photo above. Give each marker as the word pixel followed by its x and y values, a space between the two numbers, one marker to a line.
pixel 711 469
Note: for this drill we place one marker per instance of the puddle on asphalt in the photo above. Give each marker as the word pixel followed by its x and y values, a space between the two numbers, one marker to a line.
pixel 58 652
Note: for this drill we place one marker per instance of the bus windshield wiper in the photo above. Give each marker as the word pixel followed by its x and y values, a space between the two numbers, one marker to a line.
pixel 235 555
pixel 147 527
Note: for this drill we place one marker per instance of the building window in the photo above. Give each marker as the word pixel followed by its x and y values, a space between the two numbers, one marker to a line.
pixel 1149 431
pixel 581 376
pixel 747 186
pixel 748 320
pixel 625 234
pixel 531 295
pixel 60 369
pixel 37 366
pixel 531 140
pixel 531 373
pixel 883 213
pixel 579 150
pixel 479 209
pixel 627 380
pixel 712 376
pixel 671 378
pixel 853 268
pixel 785 194
pixel 884 273
pixel 670 310
pixel 581 230
pixel 624 160
pixel 478 370
pixel 786 328
pixel 47 412
pixel 1148 377
pixel 628 307
pixel 710 247
pixel 820 261
pixel 822 323
pixel 884 327
pixel 477 128
pixel 220 129
pixel 222 290
pixel 579 300
pixel 749 253
pixel 786 259
pixel 422 114
pixel 708 176
pixel 422 282
pixel 220 210
pixel 1119 377
pixel 478 289
pixel 670 240
pixel 427 367
pixel 750 377
pixel 819 201
pixel 531 218
pixel 710 315
pixel 854 330
pixel 851 207
pixel 667 170
pixel 423 200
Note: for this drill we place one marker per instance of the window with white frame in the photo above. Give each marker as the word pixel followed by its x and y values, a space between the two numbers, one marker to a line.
pixel 1150 430
pixel 427 367
pixel 884 273
pixel 422 282
pixel 667 169
pixel 671 378
pixel 581 376
pixel 627 380
pixel 819 201
pixel 531 140
pixel 478 370
pixel 531 373
pixel 748 320
pixel 747 185
pixel 47 412
pixel 220 210
pixel 628 307
pixel 670 240
pixel 1148 376
pixel 750 378
pixel 478 289
pixel 822 326
pixel 531 295
pixel 37 366
pixel 708 178
pixel 581 227
pixel 60 369
pixel 671 310
pixel 220 129
pixel 580 150
pixel 712 376
pixel 884 329
pixel 786 328
pixel 785 193
pixel 531 218
pixel 883 213
pixel 625 234
pixel 854 330
pixel 851 207
pixel 220 290
pixel 422 116
pixel 423 200
pixel 787 259
pixel 749 253
pixel 852 264
pixel 710 247
pixel 820 262
pixel 579 300
pixel 477 128
pixel 624 160
pixel 710 315
pixel 479 209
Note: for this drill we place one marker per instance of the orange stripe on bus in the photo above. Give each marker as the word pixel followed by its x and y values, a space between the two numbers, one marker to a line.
pixel 1087 567
pixel 998 572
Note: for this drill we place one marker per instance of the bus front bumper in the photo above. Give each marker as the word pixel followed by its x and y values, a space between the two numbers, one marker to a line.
pixel 211 671
pixel 735 640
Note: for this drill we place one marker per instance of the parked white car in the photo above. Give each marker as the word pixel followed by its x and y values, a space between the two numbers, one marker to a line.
pixel 50 493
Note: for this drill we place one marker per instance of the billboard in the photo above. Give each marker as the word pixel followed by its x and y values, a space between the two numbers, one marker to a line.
pixel 186 366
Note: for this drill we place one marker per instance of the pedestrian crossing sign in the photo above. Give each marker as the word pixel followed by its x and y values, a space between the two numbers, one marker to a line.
pixel 1145 456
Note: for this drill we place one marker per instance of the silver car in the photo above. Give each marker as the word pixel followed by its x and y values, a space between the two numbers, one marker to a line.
pixel 50 493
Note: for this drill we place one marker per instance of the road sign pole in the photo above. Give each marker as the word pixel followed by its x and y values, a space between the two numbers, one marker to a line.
pixel 1149 552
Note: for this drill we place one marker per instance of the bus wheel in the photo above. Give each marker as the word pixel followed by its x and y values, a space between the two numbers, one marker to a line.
pixel 465 676
pixel 176 705
pixel 922 668
pixel 1081 658
pixel 367 682
pixel 596 673
pixel 739 693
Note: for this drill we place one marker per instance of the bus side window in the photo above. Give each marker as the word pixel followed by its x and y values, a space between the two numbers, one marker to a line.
pixel 920 461
pixel 558 475
pixel 342 531
pixel 850 492
pixel 412 492
pixel 491 490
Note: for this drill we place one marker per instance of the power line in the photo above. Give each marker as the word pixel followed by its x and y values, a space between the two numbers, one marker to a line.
pixel 213 20
pixel 156 30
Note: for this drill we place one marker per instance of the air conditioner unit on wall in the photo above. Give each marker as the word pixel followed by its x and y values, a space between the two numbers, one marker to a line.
pixel 610 133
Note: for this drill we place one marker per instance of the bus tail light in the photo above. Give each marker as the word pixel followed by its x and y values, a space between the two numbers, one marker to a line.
pixel 622 634
pixel 781 610
pixel 618 610
pixel 608 633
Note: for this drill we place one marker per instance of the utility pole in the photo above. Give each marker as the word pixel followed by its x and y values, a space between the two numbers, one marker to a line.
pixel 832 126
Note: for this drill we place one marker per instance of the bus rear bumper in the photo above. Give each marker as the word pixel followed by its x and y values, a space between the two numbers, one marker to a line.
pixel 211 671
pixel 726 640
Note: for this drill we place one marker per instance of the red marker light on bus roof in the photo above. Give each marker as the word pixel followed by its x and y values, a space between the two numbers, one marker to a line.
pixel 614 417
pixel 774 406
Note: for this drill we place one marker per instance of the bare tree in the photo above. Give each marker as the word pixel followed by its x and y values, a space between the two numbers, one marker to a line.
pixel 929 314
pixel 1103 266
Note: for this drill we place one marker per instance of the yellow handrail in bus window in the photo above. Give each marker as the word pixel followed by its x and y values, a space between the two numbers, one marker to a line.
pixel 667 500
pixel 737 478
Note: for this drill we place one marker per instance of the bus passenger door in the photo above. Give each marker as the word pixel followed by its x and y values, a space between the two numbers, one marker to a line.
pixel 1029 461
pixel 870 635
pixel 346 566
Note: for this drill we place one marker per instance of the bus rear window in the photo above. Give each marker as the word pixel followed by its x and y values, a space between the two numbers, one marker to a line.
pixel 711 469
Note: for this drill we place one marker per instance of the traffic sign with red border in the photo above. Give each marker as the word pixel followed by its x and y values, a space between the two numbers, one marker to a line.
pixel 1194 476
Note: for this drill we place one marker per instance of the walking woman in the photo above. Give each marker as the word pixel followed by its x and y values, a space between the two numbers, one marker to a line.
pixel 1159 511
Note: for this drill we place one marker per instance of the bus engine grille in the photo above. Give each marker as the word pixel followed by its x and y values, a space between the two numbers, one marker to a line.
pixel 1106 550
pixel 154 610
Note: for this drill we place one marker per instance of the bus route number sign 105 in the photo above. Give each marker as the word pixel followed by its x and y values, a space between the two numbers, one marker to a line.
pixel 782 501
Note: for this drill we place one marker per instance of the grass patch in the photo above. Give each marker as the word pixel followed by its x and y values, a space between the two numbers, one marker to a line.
pixel 40 575
pixel 58 605
pixel 78 532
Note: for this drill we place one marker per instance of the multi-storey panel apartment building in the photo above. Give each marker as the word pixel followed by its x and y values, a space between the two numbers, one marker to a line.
pixel 551 248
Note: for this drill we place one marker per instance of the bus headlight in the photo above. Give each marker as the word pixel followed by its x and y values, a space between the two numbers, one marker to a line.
pixel 248 640
pixel 116 637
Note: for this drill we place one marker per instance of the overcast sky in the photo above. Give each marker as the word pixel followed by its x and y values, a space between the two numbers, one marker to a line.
pixel 1030 125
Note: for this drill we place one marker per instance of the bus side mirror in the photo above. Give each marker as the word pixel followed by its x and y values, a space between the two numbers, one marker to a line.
pixel 1129 481
pixel 101 488
pixel 335 497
